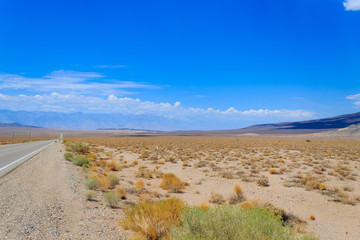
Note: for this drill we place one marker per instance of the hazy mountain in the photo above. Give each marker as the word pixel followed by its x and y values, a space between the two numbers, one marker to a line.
pixel 310 126
pixel 80 120
pixel 151 122
pixel 16 125
pixel 351 132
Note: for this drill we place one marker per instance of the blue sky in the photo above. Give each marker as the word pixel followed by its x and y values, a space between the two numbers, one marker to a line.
pixel 218 64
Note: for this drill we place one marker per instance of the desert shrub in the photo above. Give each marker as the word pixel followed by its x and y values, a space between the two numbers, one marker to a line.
pixel 91 183
pixel 204 206
pixel 310 181
pixel 113 166
pixel 273 171
pixel 263 181
pixel 103 183
pixel 216 198
pixel 230 222
pixel 112 198
pixel 172 183
pixel 77 147
pixel 139 185
pixel 144 173
pixel 80 161
pixel 89 194
pixel 91 156
pixel 200 164
pixel 238 195
pixel 227 175
pixel 247 205
pixel 68 156
pixel 121 191
pixel 153 219
pixel 113 180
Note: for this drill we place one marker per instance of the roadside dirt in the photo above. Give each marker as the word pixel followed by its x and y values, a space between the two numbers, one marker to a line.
pixel 43 199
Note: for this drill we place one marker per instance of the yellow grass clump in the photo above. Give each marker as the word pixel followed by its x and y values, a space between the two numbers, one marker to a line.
pixel 139 185
pixel 113 165
pixel 153 219
pixel 172 183
pixel 272 171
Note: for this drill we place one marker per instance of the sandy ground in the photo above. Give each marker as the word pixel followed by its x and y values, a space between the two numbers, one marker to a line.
pixel 43 199
pixel 333 220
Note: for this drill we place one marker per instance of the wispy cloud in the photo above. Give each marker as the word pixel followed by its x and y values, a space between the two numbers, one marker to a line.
pixel 352 5
pixel 355 98
pixel 110 66
pixel 125 105
pixel 70 81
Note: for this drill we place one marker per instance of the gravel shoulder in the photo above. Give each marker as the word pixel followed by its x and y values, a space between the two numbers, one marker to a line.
pixel 43 199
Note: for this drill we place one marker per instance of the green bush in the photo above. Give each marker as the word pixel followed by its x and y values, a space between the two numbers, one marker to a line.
pixel 80 161
pixel 230 222
pixel 113 180
pixel 112 198
pixel 77 147
pixel 89 194
pixel 91 183
pixel 69 156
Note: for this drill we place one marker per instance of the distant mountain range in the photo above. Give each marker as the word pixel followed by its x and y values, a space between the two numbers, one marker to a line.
pixel 310 126
pixel 79 120
pixel 16 125
pixel 128 129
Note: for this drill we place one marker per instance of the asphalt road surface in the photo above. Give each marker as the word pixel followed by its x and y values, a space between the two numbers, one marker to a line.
pixel 13 155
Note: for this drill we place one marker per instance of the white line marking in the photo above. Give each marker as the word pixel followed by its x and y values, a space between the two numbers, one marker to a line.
pixel 25 156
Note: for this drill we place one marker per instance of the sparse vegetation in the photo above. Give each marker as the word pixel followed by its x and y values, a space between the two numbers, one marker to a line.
pixel 89 194
pixel 68 156
pixel 80 161
pixel 91 183
pixel 153 220
pixel 230 222
pixel 112 198
pixel 113 180
pixel 172 183
pixel 297 163
pixel 216 198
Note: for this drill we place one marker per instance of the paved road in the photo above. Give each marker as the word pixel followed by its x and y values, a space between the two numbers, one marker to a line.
pixel 13 155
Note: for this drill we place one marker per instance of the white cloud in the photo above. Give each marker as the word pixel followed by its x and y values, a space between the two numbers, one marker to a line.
pixel 112 104
pixel 69 81
pixel 353 5
pixel 355 97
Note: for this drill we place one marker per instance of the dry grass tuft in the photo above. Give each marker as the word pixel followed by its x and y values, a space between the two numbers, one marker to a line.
pixel 247 205
pixel 216 198
pixel 310 181
pixel 113 180
pixel 113 165
pixel 153 219
pixel 204 206
pixel 263 181
pixel 112 198
pixel 273 171
pixel 139 186
pixel 172 183
pixel 238 195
